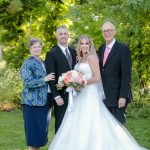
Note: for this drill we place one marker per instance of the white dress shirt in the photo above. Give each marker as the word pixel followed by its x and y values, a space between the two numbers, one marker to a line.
pixel 110 45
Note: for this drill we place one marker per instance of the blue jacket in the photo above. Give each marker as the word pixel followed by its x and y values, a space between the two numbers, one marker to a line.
pixel 35 88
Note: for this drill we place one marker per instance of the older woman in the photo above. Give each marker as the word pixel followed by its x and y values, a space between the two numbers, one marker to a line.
pixel 35 101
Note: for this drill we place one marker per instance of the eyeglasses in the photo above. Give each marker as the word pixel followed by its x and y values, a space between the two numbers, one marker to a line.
pixel 109 30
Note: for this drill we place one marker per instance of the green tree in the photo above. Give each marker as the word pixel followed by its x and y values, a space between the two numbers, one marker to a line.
pixel 21 20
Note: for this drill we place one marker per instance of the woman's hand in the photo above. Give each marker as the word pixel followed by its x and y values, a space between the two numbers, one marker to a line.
pixel 49 77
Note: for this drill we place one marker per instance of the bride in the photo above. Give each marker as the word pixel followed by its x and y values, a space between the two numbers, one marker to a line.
pixel 89 125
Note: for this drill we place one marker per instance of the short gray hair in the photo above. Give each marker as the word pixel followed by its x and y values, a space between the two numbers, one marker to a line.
pixel 61 27
pixel 33 41
pixel 110 23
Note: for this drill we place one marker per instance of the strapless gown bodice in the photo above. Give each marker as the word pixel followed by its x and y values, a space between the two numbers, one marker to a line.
pixel 85 69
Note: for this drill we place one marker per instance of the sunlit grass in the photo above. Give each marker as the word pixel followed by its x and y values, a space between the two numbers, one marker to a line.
pixel 12 131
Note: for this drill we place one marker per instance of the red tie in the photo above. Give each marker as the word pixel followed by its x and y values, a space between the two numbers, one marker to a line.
pixel 106 54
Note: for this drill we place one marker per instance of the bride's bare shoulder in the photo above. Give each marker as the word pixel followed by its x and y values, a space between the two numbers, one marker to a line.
pixel 93 58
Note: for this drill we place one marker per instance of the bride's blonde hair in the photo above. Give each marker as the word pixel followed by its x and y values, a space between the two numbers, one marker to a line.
pixel 91 49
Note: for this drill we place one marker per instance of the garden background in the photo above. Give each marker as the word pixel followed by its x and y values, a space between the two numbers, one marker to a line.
pixel 22 19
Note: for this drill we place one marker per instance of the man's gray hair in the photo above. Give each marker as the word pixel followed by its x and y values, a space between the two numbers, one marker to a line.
pixel 61 27
pixel 110 23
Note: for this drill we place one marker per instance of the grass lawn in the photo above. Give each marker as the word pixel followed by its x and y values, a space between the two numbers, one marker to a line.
pixel 12 131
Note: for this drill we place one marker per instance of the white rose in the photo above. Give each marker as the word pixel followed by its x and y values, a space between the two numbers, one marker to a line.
pixel 74 74
pixel 61 79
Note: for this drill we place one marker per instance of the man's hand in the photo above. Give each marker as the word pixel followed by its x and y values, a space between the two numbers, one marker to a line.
pixel 121 102
pixel 59 101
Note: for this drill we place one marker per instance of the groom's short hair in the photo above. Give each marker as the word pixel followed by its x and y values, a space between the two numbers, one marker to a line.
pixel 61 27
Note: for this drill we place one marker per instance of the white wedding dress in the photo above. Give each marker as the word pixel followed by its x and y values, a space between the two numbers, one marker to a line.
pixel 89 125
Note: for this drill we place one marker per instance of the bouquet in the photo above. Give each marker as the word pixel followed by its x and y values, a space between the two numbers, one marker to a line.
pixel 72 79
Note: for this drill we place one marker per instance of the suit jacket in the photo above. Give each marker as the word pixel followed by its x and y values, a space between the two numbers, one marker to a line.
pixel 116 73
pixel 35 88
pixel 57 62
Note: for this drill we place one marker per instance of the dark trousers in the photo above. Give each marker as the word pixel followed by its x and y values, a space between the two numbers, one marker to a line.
pixel 59 112
pixel 49 99
pixel 118 113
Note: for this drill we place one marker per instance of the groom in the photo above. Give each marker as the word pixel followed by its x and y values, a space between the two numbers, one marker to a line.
pixel 115 65
pixel 60 59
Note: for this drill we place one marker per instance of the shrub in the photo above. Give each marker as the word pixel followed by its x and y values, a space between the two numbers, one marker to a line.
pixel 10 86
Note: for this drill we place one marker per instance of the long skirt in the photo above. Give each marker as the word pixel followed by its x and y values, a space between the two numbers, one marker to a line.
pixel 36 124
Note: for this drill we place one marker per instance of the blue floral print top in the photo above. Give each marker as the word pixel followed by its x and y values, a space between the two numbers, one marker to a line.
pixel 35 88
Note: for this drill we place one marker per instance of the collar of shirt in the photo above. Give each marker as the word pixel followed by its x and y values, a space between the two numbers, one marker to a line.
pixel 63 49
pixel 111 44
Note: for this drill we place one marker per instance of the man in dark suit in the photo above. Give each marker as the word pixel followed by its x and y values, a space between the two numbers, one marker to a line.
pixel 60 59
pixel 115 66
